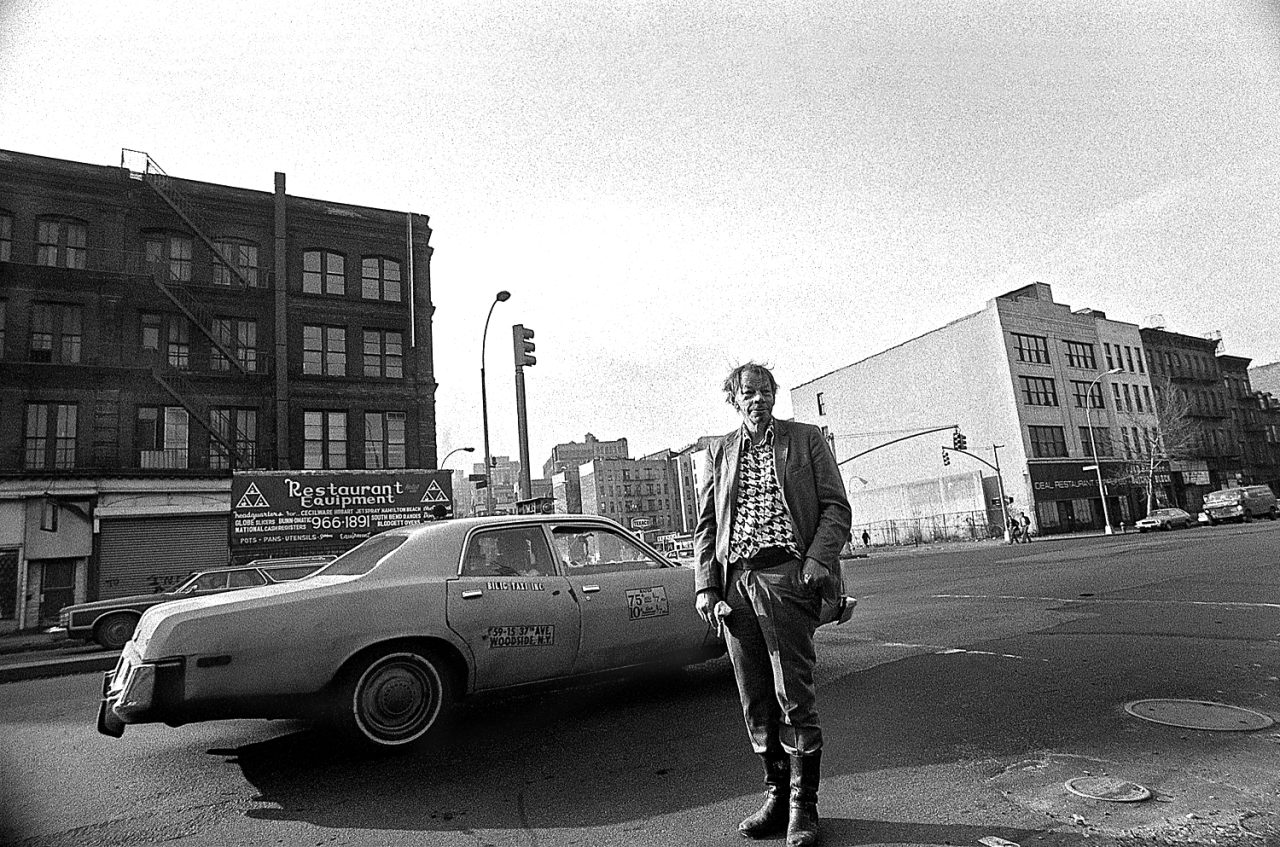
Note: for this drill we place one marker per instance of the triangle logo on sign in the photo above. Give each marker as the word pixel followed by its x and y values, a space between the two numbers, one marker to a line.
pixel 253 499
pixel 434 494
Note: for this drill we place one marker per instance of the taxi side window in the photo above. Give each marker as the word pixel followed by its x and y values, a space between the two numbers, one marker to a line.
pixel 508 552
pixel 600 551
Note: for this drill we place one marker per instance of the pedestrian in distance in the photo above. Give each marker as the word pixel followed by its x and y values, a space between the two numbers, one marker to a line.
pixel 772 518
pixel 1015 531
pixel 1026 528
pixel 866 538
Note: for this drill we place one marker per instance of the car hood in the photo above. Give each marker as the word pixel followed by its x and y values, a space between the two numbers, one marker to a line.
pixel 161 629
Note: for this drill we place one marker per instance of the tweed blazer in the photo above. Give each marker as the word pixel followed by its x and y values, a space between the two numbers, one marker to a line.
pixel 812 494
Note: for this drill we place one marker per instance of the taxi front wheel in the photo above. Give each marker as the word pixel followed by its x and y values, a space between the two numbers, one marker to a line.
pixel 394 698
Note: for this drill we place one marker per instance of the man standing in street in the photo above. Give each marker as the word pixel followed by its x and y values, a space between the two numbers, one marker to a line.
pixel 772 519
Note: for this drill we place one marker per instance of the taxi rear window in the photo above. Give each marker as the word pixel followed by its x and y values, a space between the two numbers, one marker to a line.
pixel 362 559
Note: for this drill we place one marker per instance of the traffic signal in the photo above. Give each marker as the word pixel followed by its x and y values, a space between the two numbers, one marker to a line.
pixel 958 441
pixel 946 457
pixel 522 340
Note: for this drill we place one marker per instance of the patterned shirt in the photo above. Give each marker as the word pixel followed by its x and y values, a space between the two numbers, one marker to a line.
pixel 759 519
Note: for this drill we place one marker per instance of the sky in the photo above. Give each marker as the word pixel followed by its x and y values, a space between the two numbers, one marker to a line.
pixel 670 189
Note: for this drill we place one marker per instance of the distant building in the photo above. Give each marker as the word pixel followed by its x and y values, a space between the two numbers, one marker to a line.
pixel 640 494
pixel 1266 378
pixel 158 333
pixel 504 482
pixel 567 457
pixel 1026 374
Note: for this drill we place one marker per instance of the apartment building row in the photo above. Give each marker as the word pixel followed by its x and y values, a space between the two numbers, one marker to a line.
pixel 158 333
pixel 1038 389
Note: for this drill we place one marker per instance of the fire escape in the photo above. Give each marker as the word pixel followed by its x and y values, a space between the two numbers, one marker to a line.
pixel 188 301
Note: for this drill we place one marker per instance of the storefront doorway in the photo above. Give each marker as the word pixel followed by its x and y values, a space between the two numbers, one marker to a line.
pixel 57 588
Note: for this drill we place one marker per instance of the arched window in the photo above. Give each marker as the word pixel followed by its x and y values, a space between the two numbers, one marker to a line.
pixel 60 242
pixel 324 272
pixel 380 279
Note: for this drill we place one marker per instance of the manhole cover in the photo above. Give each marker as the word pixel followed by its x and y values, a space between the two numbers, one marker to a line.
pixel 1199 714
pixel 1107 788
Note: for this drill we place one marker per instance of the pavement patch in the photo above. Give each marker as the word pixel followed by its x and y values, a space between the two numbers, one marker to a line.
pixel 1109 788
pixel 1199 714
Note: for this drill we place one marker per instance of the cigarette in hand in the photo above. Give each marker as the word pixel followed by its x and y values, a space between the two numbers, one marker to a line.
pixel 721 612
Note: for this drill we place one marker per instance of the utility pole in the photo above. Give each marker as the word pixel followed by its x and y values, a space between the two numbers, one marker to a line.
pixel 522 344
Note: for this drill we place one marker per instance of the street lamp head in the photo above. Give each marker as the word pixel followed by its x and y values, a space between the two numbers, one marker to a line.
pixel 502 296
pixel 467 449
pixel 1112 371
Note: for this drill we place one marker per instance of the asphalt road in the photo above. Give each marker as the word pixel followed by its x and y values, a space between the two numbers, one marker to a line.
pixel 972 682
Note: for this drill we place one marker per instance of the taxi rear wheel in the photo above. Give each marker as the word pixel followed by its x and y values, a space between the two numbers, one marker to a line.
pixel 114 631
pixel 394 698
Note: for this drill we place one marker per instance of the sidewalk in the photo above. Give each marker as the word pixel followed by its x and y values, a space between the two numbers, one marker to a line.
pixel 35 654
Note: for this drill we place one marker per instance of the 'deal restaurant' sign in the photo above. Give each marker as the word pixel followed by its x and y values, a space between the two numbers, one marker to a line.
pixel 340 508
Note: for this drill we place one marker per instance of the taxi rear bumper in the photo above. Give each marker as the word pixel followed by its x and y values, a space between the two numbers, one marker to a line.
pixel 140 692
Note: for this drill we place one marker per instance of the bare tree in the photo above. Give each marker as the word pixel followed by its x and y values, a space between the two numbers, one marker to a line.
pixel 1177 436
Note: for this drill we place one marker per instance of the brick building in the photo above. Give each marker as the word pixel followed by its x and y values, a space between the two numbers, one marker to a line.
pixel 157 333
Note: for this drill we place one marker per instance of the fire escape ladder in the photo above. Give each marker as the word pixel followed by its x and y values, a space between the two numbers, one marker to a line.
pixel 167 189
pixel 189 397
pixel 194 309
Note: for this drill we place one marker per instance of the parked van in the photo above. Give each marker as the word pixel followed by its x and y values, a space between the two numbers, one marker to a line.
pixel 1243 504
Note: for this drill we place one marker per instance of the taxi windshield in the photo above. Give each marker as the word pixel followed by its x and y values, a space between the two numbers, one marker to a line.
pixel 1215 497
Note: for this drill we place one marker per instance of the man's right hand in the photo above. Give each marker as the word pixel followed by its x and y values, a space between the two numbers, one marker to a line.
pixel 706 605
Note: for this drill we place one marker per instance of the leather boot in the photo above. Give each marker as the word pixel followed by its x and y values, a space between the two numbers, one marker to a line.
pixel 772 818
pixel 802 824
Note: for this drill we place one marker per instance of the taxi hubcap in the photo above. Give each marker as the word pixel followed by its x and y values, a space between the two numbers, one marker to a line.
pixel 398 698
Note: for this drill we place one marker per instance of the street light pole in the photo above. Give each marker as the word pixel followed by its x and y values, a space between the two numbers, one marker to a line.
pixel 500 297
pixel 456 450
pixel 1093 443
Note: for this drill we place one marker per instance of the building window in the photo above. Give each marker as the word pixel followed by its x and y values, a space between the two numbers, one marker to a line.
pixel 1106 349
pixel 1138 355
pixel 1128 398
pixel 241 255
pixel 1082 391
pixel 60 243
pixel 324 350
pixel 324 440
pixel 1031 348
pixel 162 437
pixel 55 333
pixel 1128 446
pixel 179 343
pixel 1080 355
pixel 1048 442
pixel 50 437
pixel 1101 440
pixel 240 336
pixel 324 272
pixel 383 353
pixel 150 331
pixel 822 405
pixel 169 255
pixel 238 427
pixel 6 237
pixel 380 279
pixel 384 445
pixel 1039 391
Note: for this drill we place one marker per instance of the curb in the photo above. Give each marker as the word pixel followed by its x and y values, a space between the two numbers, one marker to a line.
pixel 57 667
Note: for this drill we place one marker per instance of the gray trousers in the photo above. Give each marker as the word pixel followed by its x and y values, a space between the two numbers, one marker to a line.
pixel 770 640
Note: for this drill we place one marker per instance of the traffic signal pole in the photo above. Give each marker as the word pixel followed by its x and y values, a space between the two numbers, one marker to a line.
pixel 522 345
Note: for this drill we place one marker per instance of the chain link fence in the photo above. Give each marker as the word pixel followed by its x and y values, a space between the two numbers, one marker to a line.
pixel 929 529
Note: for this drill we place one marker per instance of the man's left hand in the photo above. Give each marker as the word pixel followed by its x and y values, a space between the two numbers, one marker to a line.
pixel 816 576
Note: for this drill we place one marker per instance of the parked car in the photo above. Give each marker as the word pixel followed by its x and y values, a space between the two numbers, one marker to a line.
pixel 1164 519
pixel 111 622
pixel 1242 503
pixel 385 640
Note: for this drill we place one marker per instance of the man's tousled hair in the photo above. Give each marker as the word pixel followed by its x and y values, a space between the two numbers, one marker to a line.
pixel 734 381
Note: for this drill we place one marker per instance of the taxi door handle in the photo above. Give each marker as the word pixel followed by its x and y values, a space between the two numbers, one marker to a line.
pixel 474 592
pixel 590 589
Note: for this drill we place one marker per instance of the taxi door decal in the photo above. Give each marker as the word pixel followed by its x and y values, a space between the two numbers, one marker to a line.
pixel 648 602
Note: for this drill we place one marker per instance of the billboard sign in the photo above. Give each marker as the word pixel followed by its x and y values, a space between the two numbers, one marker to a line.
pixel 332 508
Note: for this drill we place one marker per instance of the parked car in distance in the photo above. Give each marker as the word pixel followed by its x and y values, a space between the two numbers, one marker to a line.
pixel 382 642
pixel 1242 503
pixel 111 622
pixel 1164 519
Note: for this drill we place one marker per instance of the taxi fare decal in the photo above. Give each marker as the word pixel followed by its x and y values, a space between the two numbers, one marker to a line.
pixel 647 602
pixel 515 586
pixel 537 635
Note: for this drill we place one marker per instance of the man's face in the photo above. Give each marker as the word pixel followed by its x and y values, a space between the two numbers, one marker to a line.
pixel 755 400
